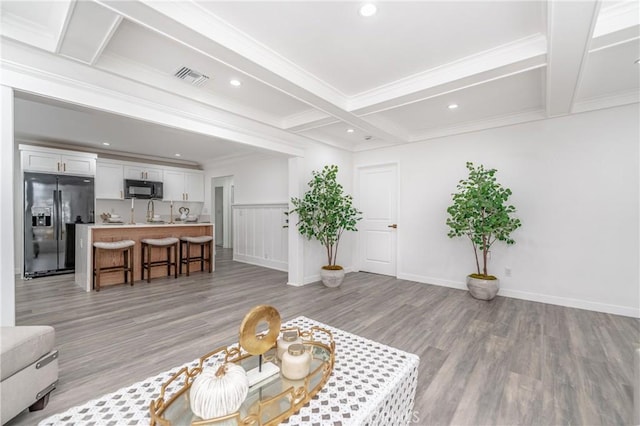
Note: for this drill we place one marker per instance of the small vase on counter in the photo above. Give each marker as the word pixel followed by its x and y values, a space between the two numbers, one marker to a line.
pixel 296 362
pixel 288 338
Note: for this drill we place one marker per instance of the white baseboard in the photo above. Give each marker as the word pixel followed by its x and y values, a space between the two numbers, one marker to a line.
pixel 626 311
pixel 434 281
pixel 259 261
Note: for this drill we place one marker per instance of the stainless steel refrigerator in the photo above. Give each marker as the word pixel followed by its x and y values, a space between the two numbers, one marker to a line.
pixel 53 205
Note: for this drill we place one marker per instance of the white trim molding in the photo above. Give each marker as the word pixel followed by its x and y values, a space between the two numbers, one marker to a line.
pixel 627 311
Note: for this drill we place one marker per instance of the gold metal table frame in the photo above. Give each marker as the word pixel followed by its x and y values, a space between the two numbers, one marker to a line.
pixel 267 404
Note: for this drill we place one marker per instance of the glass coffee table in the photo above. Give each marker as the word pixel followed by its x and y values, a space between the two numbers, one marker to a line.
pixel 268 402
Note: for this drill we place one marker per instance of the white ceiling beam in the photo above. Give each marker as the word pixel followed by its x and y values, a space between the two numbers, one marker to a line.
pixel 106 39
pixel 195 27
pixel 88 32
pixel 615 38
pixel 570 26
pixel 513 58
pixel 300 121
pixel 71 81
pixel 167 82
pixel 68 12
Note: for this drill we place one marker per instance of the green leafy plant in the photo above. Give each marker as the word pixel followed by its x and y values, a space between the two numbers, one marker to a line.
pixel 480 212
pixel 325 212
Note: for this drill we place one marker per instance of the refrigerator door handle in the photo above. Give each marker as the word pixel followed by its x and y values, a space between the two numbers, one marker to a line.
pixel 60 215
pixel 55 214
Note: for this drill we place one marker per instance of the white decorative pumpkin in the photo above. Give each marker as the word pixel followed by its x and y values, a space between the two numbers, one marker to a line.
pixel 219 391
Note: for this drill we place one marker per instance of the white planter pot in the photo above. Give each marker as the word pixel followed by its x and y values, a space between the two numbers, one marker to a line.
pixel 332 278
pixel 483 289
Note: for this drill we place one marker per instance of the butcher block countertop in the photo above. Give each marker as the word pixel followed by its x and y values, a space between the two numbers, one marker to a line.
pixel 87 234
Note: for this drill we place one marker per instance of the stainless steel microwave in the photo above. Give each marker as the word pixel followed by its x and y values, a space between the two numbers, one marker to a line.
pixel 143 189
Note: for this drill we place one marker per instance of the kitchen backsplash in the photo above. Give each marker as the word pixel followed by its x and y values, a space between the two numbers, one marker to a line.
pixel 162 208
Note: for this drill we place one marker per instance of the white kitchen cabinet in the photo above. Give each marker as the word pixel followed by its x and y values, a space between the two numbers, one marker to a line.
pixel 173 187
pixel 194 186
pixel 47 160
pixel 183 185
pixel 143 172
pixel 109 180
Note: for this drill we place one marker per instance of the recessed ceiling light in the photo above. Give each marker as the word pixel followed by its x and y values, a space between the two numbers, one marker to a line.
pixel 178 155
pixel 106 143
pixel 350 130
pixel 235 83
pixel 368 9
pixel 637 61
pixel 453 106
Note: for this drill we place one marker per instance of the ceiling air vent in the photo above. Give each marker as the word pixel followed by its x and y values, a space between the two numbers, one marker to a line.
pixel 190 76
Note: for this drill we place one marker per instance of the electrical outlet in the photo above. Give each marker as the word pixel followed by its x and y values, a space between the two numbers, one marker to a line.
pixel 507 272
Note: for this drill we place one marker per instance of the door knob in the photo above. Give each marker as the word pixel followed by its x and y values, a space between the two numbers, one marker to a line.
pixel 394 226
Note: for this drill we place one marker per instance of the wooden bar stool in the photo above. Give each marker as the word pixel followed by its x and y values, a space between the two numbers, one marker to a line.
pixel 125 247
pixel 145 255
pixel 185 252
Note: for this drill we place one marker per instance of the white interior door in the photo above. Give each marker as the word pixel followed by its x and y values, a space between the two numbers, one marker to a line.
pixel 377 231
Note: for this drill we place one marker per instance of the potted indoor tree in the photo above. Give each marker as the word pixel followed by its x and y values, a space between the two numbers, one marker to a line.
pixel 324 213
pixel 480 212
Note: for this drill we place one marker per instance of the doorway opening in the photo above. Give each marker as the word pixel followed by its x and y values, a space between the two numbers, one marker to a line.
pixel 221 204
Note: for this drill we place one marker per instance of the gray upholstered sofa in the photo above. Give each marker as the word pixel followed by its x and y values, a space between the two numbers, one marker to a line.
pixel 28 369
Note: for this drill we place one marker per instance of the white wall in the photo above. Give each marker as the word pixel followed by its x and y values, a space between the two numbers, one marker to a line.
pixel 259 192
pixel 575 183
pixel 257 179
pixel 7 277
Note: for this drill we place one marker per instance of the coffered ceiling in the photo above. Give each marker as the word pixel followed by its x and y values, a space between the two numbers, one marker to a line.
pixel 321 71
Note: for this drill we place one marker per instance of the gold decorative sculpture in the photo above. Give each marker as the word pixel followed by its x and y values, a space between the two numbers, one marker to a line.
pixel 258 343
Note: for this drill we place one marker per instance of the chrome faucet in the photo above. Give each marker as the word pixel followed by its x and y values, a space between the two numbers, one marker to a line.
pixel 150 211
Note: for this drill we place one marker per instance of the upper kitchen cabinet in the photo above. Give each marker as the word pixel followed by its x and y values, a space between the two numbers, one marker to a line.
pixel 143 172
pixel 109 180
pixel 49 160
pixel 182 185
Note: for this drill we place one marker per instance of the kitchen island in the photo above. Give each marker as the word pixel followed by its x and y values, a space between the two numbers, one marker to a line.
pixel 86 235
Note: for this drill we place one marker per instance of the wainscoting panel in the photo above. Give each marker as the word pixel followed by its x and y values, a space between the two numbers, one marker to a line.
pixel 259 236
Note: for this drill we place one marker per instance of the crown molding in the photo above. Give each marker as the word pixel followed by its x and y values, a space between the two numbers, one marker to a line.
pixel 28 32
pixel 618 99
pixel 519 51
pixel 617 17
pixel 474 126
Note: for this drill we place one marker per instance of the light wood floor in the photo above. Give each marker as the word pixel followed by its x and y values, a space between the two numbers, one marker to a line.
pixel 502 362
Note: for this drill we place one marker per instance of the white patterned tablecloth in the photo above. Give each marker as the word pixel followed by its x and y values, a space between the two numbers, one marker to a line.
pixel 371 384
